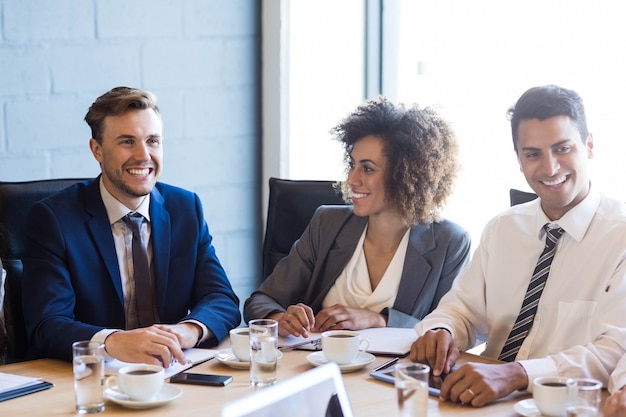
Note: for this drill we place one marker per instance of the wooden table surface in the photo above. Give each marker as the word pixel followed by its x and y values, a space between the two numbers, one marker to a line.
pixel 369 397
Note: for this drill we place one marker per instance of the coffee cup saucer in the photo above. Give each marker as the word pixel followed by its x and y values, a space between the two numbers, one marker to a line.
pixel 168 393
pixel 228 358
pixel 527 408
pixel 362 359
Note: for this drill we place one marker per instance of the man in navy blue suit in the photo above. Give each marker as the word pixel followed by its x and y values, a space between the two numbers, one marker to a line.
pixel 79 280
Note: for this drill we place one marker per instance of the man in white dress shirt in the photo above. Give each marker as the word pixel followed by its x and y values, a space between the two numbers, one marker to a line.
pixel 579 326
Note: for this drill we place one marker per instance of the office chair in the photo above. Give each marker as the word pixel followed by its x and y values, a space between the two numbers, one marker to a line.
pixel 291 206
pixel 15 201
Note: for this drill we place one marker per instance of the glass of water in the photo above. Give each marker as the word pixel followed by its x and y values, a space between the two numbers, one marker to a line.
pixel 584 398
pixel 263 352
pixel 88 363
pixel 411 380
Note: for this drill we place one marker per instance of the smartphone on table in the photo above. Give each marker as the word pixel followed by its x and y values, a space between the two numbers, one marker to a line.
pixel 201 379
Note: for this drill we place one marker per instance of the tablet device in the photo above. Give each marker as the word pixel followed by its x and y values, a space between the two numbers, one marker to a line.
pixel 320 391
pixel 434 382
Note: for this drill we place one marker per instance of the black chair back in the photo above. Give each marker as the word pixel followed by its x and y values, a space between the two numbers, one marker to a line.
pixel 16 198
pixel 519 197
pixel 291 206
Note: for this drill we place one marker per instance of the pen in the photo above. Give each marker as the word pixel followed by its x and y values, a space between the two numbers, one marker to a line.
pixel 315 342
pixel 386 364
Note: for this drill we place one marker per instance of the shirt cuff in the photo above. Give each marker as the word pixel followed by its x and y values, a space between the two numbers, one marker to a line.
pixel 205 330
pixel 536 368
pixel 100 337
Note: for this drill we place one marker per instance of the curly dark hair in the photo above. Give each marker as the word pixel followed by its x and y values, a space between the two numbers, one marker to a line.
pixel 421 151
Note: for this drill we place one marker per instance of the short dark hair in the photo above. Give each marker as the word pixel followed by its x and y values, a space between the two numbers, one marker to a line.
pixel 115 102
pixel 545 102
pixel 421 151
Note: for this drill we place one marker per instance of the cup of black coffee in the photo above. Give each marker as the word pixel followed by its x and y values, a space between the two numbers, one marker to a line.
pixel 342 346
pixel 140 382
pixel 552 394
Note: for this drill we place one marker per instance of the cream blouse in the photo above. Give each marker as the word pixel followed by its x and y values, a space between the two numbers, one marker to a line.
pixel 353 289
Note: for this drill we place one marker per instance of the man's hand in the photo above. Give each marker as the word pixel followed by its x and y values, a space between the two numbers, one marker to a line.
pixel 151 345
pixel 298 320
pixel 437 349
pixel 187 333
pixel 479 384
pixel 615 404
pixel 340 317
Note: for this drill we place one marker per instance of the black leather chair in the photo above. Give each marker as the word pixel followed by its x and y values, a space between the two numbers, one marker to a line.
pixel 291 206
pixel 15 201
pixel 519 197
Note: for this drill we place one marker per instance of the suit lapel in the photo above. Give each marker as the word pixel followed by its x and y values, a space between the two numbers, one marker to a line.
pixel 101 234
pixel 337 251
pixel 161 241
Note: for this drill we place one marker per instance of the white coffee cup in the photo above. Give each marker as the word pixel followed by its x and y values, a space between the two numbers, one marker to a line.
pixel 552 394
pixel 342 346
pixel 141 382
pixel 240 343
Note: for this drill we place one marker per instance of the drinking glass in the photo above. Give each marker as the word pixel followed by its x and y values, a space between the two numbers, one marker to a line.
pixel 411 382
pixel 585 398
pixel 263 352
pixel 88 364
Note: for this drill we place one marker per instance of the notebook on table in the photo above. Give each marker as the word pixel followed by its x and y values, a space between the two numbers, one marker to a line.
pixel 320 391
pixel 13 386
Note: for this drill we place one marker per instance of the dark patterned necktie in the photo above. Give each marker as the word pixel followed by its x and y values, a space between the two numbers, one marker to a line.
pixel 525 319
pixel 144 294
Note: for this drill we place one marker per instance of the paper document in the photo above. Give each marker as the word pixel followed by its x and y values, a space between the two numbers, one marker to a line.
pixel 12 386
pixel 383 341
pixel 389 341
pixel 194 357
pixel 10 381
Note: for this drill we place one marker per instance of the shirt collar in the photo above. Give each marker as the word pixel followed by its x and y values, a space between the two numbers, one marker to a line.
pixel 116 210
pixel 576 221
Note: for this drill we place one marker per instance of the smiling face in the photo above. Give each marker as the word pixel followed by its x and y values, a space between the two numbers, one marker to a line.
pixel 554 160
pixel 366 176
pixel 130 155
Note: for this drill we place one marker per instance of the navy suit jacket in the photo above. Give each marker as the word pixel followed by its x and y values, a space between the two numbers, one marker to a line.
pixel 72 286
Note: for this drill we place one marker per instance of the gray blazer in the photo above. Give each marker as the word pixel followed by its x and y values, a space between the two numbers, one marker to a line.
pixel 435 255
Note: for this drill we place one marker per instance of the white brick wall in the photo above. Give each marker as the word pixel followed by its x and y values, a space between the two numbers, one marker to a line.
pixel 200 57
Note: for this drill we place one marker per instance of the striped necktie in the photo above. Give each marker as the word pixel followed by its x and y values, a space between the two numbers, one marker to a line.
pixel 144 294
pixel 525 319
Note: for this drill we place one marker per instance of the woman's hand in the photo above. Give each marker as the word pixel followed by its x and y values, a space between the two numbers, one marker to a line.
pixel 298 320
pixel 340 317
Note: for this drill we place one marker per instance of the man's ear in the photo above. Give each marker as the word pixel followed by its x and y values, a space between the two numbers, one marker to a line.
pixel 96 149
pixel 589 145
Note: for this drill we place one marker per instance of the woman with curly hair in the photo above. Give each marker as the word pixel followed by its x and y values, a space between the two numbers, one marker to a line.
pixel 386 259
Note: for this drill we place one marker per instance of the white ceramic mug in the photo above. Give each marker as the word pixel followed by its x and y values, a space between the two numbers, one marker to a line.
pixel 141 382
pixel 342 346
pixel 552 394
pixel 240 343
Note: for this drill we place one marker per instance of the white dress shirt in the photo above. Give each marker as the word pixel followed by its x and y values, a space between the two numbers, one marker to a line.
pixel 580 325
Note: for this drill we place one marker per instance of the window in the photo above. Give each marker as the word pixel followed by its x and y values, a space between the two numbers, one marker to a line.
pixel 470 59
pixel 474 59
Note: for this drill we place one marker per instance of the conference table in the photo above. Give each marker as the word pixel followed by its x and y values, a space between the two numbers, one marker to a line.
pixel 369 397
